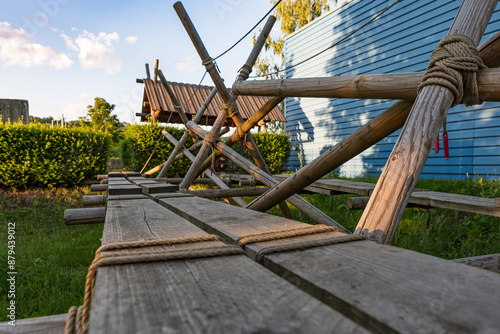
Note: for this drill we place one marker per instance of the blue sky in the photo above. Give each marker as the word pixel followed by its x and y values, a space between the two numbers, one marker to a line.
pixel 60 54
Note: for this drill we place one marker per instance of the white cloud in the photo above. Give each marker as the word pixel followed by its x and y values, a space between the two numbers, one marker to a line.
pixel 83 95
pixel 17 48
pixel 188 64
pixel 96 51
pixel 74 110
pixel 130 40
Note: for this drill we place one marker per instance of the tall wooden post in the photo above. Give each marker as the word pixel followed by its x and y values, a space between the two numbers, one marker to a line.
pixel 394 187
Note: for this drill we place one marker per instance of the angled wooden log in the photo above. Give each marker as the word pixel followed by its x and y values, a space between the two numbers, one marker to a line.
pixel 359 203
pixel 53 324
pixel 228 98
pixel 200 180
pixel 489 262
pixel 397 181
pixel 369 134
pixel 392 86
pixel 219 193
pixel 211 175
pixel 490 51
pixel 186 134
pixel 302 205
pixel 84 216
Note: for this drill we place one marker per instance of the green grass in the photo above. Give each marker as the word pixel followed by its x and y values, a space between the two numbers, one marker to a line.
pixel 51 258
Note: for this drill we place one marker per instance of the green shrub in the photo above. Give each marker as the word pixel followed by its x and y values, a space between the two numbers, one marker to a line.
pixel 37 155
pixel 274 147
pixel 139 142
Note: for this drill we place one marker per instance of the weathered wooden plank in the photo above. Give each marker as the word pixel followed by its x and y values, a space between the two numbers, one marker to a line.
pixel 124 189
pixel 156 188
pixel 230 294
pixel 219 193
pixel 125 197
pixel 53 324
pixel 385 288
pixel 488 262
pixel 84 216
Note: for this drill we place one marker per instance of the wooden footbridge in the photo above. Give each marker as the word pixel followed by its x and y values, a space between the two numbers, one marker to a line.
pixel 173 262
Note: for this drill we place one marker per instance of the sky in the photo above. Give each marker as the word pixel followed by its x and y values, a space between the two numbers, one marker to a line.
pixel 61 54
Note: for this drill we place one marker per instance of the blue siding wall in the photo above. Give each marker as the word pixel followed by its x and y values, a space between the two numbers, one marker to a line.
pixel 399 41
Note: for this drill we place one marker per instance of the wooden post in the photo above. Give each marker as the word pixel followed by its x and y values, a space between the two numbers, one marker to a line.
pixel 369 134
pixel 301 204
pixel 184 137
pixel 392 86
pixel 157 64
pixel 397 181
pixel 148 73
pixel 98 187
pixel 228 98
pixel 91 200
pixel 490 51
pixel 212 176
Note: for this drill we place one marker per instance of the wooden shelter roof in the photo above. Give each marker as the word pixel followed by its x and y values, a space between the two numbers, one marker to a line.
pixel 156 98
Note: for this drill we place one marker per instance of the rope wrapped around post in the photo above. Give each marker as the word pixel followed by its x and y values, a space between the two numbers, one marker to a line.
pixel 209 63
pixel 211 139
pixel 77 321
pixel 230 109
pixel 245 71
pixel 454 65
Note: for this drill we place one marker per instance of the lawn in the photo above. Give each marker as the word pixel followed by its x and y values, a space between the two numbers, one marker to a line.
pixel 51 259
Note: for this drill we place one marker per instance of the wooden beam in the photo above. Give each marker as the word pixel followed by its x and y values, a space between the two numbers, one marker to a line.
pixel 53 324
pixel 92 200
pixel 229 99
pixel 211 175
pixel 359 203
pixel 397 181
pixel 182 141
pixel 148 72
pixel 204 180
pixel 490 51
pixel 369 134
pixel 84 216
pixel 489 262
pixel 98 187
pixel 266 179
pixel 221 193
pixel 393 86
pixel 157 65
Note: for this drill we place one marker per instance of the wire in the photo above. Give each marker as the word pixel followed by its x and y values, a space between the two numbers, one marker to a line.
pixel 248 33
pixel 331 46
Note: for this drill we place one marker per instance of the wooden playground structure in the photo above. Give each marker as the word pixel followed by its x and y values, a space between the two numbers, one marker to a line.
pixel 173 261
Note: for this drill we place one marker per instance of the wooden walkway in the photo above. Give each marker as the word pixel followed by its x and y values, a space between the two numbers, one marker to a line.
pixel 352 287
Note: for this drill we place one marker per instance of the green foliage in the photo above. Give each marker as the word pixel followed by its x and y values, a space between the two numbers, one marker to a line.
pixel 52 259
pixel 274 147
pixel 99 118
pixel 293 15
pixel 139 142
pixel 37 155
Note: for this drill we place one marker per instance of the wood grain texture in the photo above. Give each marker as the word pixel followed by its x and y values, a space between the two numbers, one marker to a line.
pixel 489 262
pixel 230 294
pixel 98 187
pixel 91 200
pixel 84 216
pixel 124 189
pixel 386 289
pixel 53 324
pixel 155 188
pixel 392 86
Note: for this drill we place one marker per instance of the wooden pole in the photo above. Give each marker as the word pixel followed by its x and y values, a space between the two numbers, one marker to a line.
pixel 222 193
pixel 84 216
pixel 148 73
pixel 397 181
pixel 157 64
pixel 91 200
pixel 490 51
pixel 369 134
pixel 204 180
pixel 393 86
pixel 186 134
pixel 301 204
pixel 211 175
pixel 98 187
pixel 228 98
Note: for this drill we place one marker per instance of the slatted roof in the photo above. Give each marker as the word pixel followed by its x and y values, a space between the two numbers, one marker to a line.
pixel 156 98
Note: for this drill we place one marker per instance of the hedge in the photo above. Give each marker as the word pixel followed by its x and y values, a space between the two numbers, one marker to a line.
pixel 38 155
pixel 140 141
pixel 274 147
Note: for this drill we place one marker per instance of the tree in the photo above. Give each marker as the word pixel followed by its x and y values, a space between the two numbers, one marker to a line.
pixel 292 15
pixel 99 118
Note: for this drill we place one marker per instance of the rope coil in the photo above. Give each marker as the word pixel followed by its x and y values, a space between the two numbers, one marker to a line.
pixel 230 109
pixel 245 71
pixel 454 65
pixel 78 317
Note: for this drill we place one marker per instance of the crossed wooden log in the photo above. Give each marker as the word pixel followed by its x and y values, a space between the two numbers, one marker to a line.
pixel 421 120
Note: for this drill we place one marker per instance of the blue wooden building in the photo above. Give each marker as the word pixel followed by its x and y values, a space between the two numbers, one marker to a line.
pixel 399 41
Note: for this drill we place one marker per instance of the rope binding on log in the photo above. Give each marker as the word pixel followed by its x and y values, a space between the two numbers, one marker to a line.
pixel 454 65
pixel 230 109
pixel 77 321
pixel 211 139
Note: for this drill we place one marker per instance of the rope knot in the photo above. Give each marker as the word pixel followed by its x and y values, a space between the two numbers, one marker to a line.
pixel 211 139
pixel 245 71
pixel 230 109
pixel 242 135
pixel 454 65
pixel 208 63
